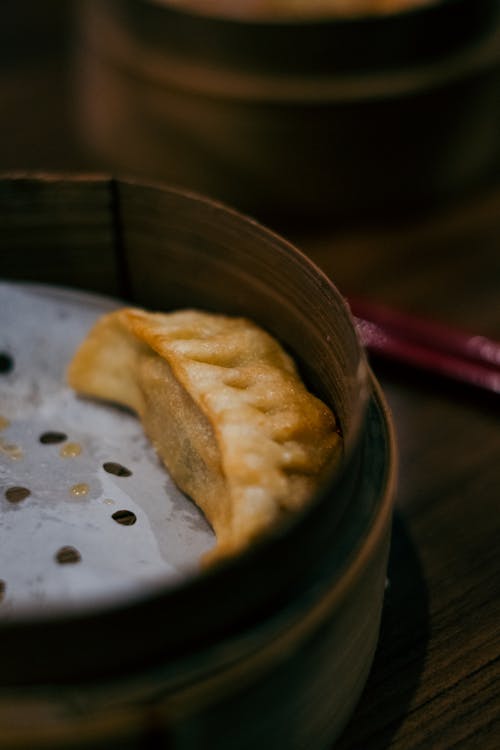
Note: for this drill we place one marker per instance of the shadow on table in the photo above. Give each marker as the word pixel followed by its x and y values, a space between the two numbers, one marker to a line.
pixel 400 654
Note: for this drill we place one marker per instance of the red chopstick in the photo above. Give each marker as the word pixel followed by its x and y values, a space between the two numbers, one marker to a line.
pixel 429 346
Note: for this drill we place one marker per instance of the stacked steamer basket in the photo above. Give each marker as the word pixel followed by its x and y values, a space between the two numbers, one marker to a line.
pixel 295 117
pixel 270 649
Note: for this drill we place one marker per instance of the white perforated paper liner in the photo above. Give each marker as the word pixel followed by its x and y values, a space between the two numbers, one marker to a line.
pixel 88 514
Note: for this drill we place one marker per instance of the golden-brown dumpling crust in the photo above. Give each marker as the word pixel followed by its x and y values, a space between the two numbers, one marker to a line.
pixel 224 407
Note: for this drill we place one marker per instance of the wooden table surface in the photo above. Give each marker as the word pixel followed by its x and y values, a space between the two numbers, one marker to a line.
pixel 436 676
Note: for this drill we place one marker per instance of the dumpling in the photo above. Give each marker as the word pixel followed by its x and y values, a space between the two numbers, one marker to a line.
pixel 224 407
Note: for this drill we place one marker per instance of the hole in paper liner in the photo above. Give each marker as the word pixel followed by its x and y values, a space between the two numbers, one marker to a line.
pixel 50 438
pixel 68 554
pixel 16 494
pixel 117 469
pixel 6 363
pixel 124 517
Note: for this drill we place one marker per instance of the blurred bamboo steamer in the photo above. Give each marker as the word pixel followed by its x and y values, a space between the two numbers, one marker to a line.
pixel 310 118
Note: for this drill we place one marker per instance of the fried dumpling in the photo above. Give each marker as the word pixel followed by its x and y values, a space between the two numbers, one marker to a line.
pixel 224 407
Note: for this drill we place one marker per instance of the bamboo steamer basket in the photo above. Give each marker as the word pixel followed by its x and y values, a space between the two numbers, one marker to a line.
pixel 272 648
pixel 295 119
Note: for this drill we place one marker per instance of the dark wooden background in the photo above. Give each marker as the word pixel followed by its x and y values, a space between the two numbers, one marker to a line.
pixel 435 680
